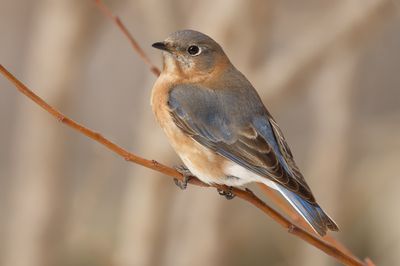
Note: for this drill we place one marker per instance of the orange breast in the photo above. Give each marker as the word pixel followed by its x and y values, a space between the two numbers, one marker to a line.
pixel 201 161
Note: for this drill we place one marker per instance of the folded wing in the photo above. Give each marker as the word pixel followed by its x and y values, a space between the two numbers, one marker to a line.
pixel 237 126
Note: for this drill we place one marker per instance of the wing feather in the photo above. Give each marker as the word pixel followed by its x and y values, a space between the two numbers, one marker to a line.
pixel 245 133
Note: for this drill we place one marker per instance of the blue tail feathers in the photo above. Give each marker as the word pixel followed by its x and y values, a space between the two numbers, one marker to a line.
pixel 311 212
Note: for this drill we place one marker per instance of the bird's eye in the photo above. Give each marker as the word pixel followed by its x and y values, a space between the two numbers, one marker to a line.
pixel 194 50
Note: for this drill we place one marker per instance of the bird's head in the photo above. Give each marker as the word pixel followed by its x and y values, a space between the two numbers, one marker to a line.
pixel 189 52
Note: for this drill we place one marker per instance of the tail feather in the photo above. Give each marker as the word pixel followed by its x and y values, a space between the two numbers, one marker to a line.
pixel 312 213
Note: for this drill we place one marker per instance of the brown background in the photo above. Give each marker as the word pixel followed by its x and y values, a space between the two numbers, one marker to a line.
pixel 327 70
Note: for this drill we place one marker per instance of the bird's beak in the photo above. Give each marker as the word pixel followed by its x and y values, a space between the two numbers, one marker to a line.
pixel 160 45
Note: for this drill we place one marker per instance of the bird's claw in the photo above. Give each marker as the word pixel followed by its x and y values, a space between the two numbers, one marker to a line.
pixel 182 184
pixel 228 194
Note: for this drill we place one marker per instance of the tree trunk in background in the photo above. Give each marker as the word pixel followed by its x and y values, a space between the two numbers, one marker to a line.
pixel 147 197
pixel 53 63
pixel 305 49
pixel 331 92
pixel 146 201
pixel 193 231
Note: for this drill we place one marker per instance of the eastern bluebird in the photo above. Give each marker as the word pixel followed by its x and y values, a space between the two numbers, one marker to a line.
pixel 218 125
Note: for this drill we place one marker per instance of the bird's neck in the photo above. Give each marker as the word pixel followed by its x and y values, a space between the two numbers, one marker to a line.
pixel 182 73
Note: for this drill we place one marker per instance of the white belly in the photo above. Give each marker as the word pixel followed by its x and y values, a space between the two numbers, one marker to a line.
pixel 244 176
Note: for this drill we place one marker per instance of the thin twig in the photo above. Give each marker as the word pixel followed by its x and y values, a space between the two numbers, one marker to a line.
pixel 246 195
pixel 369 262
pixel 135 45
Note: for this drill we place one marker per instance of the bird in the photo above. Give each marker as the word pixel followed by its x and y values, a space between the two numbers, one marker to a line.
pixel 218 125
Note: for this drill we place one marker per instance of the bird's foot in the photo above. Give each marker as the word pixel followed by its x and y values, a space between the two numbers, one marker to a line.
pixel 228 194
pixel 182 184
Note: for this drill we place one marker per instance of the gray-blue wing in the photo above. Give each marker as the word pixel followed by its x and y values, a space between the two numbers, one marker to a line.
pixel 236 125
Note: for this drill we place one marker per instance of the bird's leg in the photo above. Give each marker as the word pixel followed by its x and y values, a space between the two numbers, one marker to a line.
pixel 228 194
pixel 182 184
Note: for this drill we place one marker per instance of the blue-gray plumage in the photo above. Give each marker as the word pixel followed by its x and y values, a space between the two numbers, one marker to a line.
pixel 202 100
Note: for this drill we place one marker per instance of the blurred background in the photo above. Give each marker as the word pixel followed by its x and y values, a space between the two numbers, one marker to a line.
pixel 327 70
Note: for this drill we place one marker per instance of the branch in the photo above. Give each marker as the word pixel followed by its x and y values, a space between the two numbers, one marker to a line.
pixel 334 249
pixel 246 195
